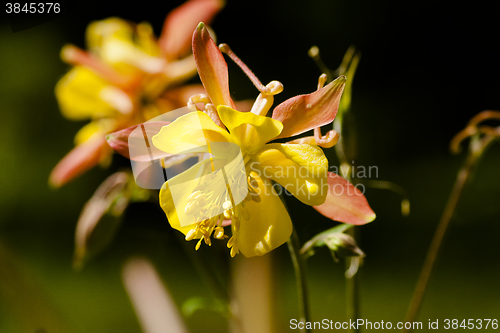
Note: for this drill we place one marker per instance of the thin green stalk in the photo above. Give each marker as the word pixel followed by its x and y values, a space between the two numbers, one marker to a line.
pixel 351 276
pixel 462 178
pixel 348 67
pixel 352 286
pixel 300 275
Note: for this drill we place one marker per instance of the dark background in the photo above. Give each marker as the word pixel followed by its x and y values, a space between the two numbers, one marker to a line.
pixel 425 70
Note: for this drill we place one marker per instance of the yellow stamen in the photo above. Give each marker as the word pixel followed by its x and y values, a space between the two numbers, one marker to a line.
pixel 231 241
pixel 219 233
pixel 201 201
pixel 190 208
pixel 226 205
pixel 197 247
pixel 193 195
pixel 191 234
pixel 228 213
pixel 207 240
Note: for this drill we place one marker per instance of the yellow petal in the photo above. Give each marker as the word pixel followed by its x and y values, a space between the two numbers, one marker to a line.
pixel 141 36
pixel 127 49
pixel 78 94
pixel 252 131
pixel 189 133
pixel 145 39
pixel 300 168
pixel 97 31
pixel 269 224
pixel 127 57
pixel 176 196
pixel 101 126
pixel 168 206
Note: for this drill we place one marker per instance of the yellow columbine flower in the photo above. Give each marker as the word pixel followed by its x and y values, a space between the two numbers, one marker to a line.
pixel 260 222
pixel 126 77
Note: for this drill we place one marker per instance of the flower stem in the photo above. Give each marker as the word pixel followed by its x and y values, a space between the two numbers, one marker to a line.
pixel 300 275
pixel 352 264
pixel 352 285
pixel 252 292
pixel 477 148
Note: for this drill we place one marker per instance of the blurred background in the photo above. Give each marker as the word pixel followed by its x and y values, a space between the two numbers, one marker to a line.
pixel 424 72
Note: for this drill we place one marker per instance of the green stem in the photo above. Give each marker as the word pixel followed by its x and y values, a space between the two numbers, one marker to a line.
pixel 462 178
pixel 300 275
pixel 351 279
pixel 347 67
pixel 352 286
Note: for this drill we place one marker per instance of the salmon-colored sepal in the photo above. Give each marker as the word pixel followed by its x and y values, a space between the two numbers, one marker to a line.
pixel 175 39
pixel 80 159
pixel 212 67
pixel 134 142
pixel 345 203
pixel 302 113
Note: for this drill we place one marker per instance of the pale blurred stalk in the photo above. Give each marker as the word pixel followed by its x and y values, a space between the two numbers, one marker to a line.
pixel 251 300
pixel 153 305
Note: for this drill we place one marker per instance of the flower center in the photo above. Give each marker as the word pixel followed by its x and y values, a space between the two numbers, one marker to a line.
pixel 199 203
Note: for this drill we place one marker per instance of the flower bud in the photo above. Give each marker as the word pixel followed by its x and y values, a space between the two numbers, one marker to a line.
pixel 343 245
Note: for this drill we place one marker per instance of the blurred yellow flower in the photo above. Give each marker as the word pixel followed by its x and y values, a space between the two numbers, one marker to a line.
pixel 126 77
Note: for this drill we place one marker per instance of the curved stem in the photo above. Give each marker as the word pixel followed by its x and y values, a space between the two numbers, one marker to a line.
pixel 300 275
pixel 477 148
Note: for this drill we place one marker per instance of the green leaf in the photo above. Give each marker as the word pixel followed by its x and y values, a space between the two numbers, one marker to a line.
pixel 194 304
pixel 101 217
pixel 340 244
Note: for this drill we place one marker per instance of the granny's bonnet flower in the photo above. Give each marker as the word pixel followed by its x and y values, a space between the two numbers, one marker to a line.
pixel 126 77
pixel 260 222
